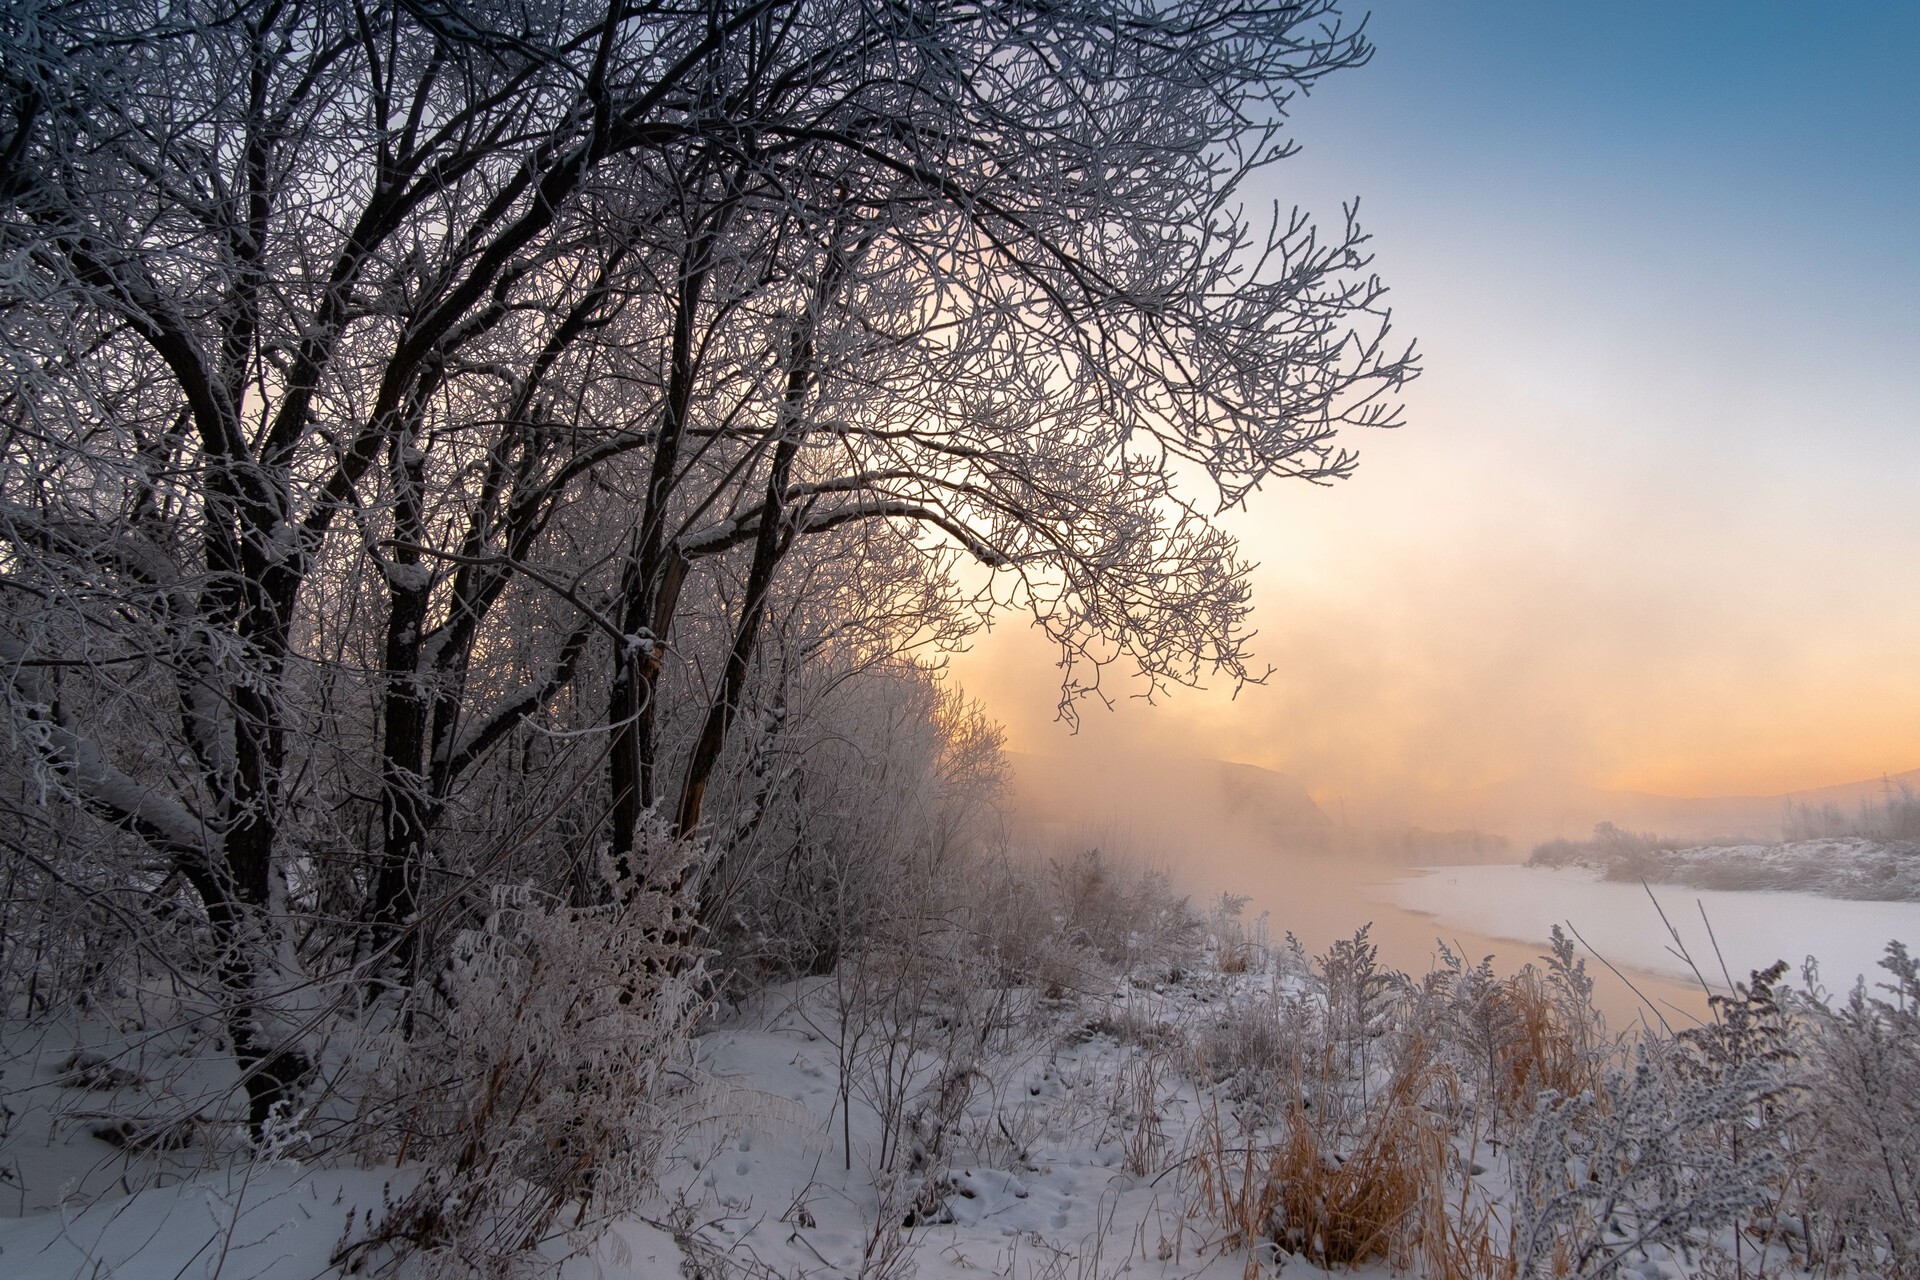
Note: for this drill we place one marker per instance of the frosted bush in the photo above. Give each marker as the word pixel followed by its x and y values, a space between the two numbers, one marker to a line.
pixel 1639 1164
pixel 1863 1122
pixel 1131 918
pixel 536 1078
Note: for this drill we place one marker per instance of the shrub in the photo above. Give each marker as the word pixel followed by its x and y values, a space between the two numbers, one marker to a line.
pixel 1862 1072
pixel 1518 1037
pixel 1132 919
pixel 1639 1163
pixel 537 1076
pixel 1620 854
pixel 1895 816
pixel 1338 1188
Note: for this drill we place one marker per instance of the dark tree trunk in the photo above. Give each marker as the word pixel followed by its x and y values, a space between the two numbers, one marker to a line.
pixel 651 579
pixel 404 803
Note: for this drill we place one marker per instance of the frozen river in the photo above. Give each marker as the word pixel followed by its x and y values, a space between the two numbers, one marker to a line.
pixel 1509 911
pixel 1747 930
pixel 1323 899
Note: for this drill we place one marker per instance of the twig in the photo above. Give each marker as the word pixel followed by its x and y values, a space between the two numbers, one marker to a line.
pixel 1701 904
pixel 1679 948
pixel 1664 1025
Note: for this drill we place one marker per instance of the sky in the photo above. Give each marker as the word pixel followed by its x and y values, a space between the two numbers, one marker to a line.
pixel 1654 519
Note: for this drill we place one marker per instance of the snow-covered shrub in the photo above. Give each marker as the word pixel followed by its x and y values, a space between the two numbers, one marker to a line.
pixel 886 1006
pixel 1018 933
pixel 913 1027
pixel 869 779
pixel 1666 1153
pixel 1237 945
pixel 1640 1163
pixel 1341 1148
pixel 1074 924
pixel 1132 918
pixel 1243 1047
pixel 536 1078
pixel 1862 1122
pixel 82 920
pixel 87 913
pixel 1361 1001
pixel 1517 1037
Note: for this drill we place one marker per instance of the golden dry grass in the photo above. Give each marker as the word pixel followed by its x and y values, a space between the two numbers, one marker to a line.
pixel 1233 1189
pixel 1342 1192
pixel 1367 1185
pixel 1546 1045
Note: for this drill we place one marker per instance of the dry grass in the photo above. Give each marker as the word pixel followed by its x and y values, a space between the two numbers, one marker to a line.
pixel 1233 1186
pixel 1359 1146
pixel 1245 1045
pixel 1341 1193
pixel 1137 1102
pixel 1467 1244
pixel 1546 1044
pixel 1341 1208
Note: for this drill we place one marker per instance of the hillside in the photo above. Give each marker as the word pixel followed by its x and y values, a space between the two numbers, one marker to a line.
pixel 1165 802
pixel 1539 811
pixel 1168 802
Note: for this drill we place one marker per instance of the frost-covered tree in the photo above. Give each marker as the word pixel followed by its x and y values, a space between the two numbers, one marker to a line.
pixel 391 386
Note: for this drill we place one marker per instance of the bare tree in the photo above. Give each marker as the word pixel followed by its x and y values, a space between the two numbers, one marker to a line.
pixel 247 249
pixel 1005 301
pixel 387 382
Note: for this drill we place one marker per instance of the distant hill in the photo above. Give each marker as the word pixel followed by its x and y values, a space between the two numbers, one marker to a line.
pixel 1165 803
pixel 1538 812
pixel 1873 789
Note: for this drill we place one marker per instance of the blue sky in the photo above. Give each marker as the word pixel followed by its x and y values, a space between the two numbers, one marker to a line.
pixel 1730 192
pixel 1655 517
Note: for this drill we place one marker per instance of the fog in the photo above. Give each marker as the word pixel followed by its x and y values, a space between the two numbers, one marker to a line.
pixel 1216 828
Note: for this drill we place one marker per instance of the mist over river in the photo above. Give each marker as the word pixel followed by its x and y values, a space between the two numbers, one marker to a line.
pixel 1321 900
pixel 1217 828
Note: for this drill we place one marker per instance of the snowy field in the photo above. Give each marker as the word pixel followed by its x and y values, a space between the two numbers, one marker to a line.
pixel 1753 929
pixel 1240 1111
pixel 1067 1158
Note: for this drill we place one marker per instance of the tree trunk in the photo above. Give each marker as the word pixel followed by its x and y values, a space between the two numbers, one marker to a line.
pixel 404 803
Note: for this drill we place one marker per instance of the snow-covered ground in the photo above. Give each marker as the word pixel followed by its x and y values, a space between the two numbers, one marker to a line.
pixel 1752 928
pixel 1037 1186
pixel 1062 1167
pixel 1083 1136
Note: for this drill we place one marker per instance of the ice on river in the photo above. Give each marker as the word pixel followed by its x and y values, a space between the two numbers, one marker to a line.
pixel 1617 920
